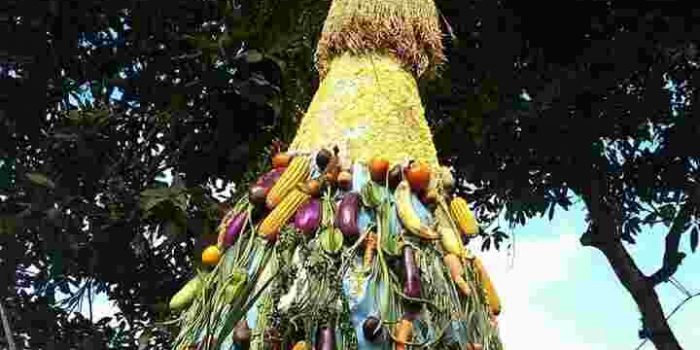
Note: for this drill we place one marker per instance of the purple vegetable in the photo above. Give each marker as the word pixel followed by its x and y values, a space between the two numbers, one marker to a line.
pixel 234 229
pixel 372 329
pixel 325 339
pixel 258 191
pixel 346 217
pixel 412 278
pixel 308 216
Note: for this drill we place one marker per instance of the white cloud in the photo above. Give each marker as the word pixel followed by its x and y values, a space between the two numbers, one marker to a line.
pixel 536 266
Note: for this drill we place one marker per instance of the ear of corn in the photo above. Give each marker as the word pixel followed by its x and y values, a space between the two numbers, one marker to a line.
pixel 464 217
pixel 449 237
pixel 297 172
pixel 491 295
pixel 280 215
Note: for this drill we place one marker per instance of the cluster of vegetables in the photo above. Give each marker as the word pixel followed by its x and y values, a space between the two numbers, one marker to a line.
pixel 295 252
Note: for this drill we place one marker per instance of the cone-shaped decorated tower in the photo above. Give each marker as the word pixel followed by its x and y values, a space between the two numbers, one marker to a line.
pixel 353 239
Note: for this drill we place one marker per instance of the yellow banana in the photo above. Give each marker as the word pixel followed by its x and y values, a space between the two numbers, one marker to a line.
pixel 408 216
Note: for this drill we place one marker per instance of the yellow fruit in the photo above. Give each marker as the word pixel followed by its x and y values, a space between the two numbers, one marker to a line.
pixel 211 255
pixel 409 218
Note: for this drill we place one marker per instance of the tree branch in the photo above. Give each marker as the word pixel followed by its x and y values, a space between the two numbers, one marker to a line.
pixel 6 328
pixel 672 257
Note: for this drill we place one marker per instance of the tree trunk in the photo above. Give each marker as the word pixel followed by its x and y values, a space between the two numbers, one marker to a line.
pixel 643 293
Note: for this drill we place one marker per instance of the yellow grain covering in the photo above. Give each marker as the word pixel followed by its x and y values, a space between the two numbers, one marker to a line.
pixel 368 106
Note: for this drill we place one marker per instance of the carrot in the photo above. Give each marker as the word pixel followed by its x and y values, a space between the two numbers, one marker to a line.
pixel 370 246
pixel 474 346
pixel 404 332
pixel 456 268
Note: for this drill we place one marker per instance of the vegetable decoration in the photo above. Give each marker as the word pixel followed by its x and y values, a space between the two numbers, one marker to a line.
pixel 464 217
pixel 352 238
pixel 378 169
pixel 308 217
pixel 280 160
pixel 211 255
pixel 404 333
pixel 407 214
pixel 412 279
pixel 297 172
pixel 280 215
pixel 185 295
pixel 233 229
pixel 346 216
pixel 418 176
pixel 345 180
pixel 258 192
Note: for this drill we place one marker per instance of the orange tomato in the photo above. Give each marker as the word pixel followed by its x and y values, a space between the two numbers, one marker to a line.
pixel 280 160
pixel 378 168
pixel 211 255
pixel 345 180
pixel 418 176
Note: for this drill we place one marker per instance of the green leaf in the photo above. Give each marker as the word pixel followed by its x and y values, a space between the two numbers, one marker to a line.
pixel 694 239
pixel 486 244
pixel 153 197
pixel 41 180
pixel 253 56
pixel 390 244
pixel 551 211
pixel 668 211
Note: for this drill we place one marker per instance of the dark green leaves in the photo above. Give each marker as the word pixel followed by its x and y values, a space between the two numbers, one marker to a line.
pixel 694 239
pixel 40 180
pixel 153 197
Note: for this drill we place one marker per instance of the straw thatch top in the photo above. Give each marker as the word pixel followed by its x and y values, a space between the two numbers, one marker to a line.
pixel 408 29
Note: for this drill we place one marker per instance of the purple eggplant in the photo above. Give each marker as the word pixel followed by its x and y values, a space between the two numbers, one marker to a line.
pixel 308 217
pixel 258 191
pixel 372 329
pixel 325 338
pixel 412 278
pixel 233 230
pixel 346 217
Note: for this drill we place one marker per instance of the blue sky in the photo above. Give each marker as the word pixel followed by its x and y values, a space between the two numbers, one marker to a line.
pixel 560 295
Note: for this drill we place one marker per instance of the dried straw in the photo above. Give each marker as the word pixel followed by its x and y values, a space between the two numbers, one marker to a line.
pixel 408 29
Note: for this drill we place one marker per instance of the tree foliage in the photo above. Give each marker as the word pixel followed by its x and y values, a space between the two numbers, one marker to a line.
pixel 527 116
